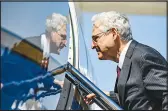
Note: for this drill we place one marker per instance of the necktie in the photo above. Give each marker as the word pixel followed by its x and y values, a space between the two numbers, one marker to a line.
pixel 44 63
pixel 118 71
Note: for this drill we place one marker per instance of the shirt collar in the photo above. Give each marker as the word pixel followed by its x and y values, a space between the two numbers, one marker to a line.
pixel 45 46
pixel 123 53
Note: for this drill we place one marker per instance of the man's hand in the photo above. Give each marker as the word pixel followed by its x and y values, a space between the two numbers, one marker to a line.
pixel 89 98
pixel 61 83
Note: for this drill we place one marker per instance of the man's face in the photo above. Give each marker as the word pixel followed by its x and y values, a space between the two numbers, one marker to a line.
pixel 58 40
pixel 104 43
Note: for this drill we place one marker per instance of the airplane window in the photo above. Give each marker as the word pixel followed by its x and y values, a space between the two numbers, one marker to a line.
pixel 85 65
pixel 34 40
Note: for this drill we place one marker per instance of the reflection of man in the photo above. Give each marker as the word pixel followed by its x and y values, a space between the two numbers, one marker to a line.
pixel 141 72
pixel 29 59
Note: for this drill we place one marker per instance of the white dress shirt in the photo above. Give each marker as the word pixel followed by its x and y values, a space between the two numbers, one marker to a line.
pixel 45 46
pixel 123 53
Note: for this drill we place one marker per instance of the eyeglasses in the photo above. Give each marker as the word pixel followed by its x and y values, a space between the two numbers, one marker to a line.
pixel 63 36
pixel 96 37
pixel 63 39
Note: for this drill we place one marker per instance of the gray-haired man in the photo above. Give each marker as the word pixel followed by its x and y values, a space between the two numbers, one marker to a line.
pixel 29 59
pixel 142 74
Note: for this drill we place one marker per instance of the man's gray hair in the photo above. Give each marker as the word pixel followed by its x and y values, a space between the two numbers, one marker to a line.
pixel 112 19
pixel 55 22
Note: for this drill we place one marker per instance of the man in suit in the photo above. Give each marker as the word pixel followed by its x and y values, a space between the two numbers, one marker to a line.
pixel 29 59
pixel 142 76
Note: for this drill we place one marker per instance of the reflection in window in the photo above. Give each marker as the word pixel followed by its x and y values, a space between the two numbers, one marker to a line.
pixel 34 36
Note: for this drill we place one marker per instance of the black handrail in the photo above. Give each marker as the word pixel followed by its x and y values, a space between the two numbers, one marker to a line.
pixel 86 86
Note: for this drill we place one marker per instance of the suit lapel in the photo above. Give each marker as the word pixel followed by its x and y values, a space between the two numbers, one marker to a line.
pixel 125 71
pixel 123 79
pixel 115 88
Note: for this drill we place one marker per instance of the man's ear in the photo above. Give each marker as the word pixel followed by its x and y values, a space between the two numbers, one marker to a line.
pixel 115 33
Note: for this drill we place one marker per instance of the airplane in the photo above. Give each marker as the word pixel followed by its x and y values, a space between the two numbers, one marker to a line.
pixel 70 97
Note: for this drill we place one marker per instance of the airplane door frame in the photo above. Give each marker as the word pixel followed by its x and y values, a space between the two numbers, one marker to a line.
pixel 67 94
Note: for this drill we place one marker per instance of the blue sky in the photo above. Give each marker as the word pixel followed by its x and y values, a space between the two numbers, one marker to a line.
pixel 28 19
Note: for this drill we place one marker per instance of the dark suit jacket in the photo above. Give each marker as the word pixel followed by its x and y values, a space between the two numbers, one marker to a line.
pixel 22 63
pixel 143 81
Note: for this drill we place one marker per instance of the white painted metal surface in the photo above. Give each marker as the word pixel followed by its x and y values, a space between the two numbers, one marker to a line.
pixel 76 32
pixel 140 8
